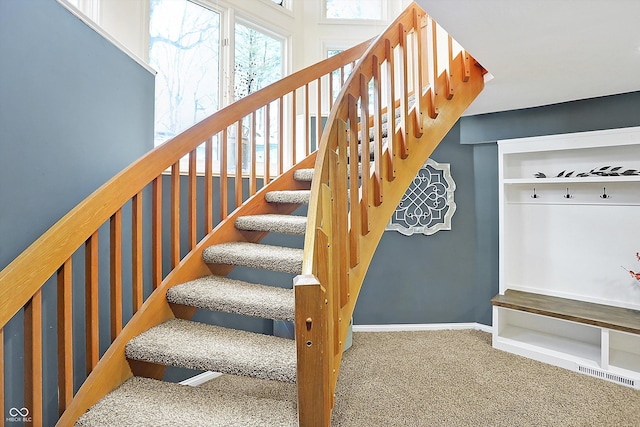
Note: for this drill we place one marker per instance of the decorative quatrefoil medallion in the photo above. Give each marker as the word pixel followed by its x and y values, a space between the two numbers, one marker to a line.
pixel 427 206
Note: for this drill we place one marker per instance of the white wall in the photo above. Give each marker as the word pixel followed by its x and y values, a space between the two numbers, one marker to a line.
pixel 308 33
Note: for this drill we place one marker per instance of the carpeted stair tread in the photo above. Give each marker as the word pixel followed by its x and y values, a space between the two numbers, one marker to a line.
pixel 144 402
pixel 194 345
pixel 303 175
pixel 255 255
pixel 288 196
pixel 275 223
pixel 219 293
pixel 253 387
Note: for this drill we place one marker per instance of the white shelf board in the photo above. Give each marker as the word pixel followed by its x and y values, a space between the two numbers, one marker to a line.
pixel 573 349
pixel 585 180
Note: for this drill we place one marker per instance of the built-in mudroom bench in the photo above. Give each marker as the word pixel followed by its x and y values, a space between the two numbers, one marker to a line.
pixel 569 225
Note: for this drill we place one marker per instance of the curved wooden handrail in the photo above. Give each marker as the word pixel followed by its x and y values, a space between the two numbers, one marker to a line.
pixel 50 256
pixel 347 216
pixel 20 280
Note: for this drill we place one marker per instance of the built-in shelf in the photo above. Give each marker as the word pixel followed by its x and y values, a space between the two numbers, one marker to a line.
pixel 566 248
pixel 570 181
pixel 569 333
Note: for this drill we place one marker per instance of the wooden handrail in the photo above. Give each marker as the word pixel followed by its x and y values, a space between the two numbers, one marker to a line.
pixel 119 202
pixel 398 74
pixel 25 275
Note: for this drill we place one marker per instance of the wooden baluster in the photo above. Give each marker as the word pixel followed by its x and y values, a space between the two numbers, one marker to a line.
pixel 377 137
pixel 342 211
pixel 330 90
pixel 281 137
pixel 252 156
pixel 267 145
pixel 392 137
pixel 294 123
pixel 92 332
pixel 419 37
pixel 115 274
pixel 156 232
pixel 307 121
pixel 466 65
pixel 449 67
pixel 33 358
pixel 365 150
pixel 192 197
pixel 137 286
pixel 326 259
pixel 434 66
pixel 354 195
pixel 239 163
pixel 319 115
pixel 65 337
pixel 224 201
pixel 426 56
pixel 404 104
pixel 333 264
pixel 175 214
pixel 208 186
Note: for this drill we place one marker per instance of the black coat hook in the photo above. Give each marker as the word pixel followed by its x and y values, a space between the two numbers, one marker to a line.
pixel 604 194
pixel 534 195
pixel 568 195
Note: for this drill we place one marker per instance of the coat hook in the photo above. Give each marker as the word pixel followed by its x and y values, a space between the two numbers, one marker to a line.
pixel 534 195
pixel 604 194
pixel 568 195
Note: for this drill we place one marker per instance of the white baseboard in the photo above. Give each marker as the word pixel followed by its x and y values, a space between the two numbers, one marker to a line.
pixel 206 376
pixel 201 378
pixel 422 327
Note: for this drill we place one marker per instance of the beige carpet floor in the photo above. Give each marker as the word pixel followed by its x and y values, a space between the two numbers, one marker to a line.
pixel 455 378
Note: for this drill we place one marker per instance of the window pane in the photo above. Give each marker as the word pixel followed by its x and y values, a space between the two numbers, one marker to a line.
pixel 354 9
pixel 258 63
pixel 184 48
pixel 258 60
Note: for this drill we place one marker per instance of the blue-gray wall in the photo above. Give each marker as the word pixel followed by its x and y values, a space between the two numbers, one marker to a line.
pixel 74 110
pixel 451 275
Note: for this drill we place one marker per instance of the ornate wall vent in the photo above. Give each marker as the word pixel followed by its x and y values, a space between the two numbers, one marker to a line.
pixel 427 206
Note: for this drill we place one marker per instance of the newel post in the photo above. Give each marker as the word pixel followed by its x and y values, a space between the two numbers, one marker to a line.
pixel 314 384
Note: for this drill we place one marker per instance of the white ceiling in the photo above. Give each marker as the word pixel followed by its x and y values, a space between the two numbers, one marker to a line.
pixel 544 52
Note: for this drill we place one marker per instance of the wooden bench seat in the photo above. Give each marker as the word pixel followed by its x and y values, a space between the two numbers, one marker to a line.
pixel 605 316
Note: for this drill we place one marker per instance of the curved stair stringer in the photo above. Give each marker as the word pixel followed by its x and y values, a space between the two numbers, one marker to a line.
pixel 420 149
pixel 346 223
pixel 114 368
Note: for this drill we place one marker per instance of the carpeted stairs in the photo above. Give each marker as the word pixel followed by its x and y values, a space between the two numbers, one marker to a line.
pixel 193 345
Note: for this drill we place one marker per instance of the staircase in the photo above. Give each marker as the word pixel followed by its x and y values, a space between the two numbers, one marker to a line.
pixel 193 345
pixel 399 87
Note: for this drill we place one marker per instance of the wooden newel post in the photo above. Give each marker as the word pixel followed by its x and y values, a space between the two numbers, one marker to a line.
pixel 314 384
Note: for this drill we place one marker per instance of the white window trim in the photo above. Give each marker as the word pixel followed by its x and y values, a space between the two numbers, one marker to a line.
pixel 335 21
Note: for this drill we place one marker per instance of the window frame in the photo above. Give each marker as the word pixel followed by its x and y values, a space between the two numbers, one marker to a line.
pixel 384 6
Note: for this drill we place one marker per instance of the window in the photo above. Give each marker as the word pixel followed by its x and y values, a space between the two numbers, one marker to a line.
pixel 258 63
pixel 258 60
pixel 184 48
pixel 354 9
